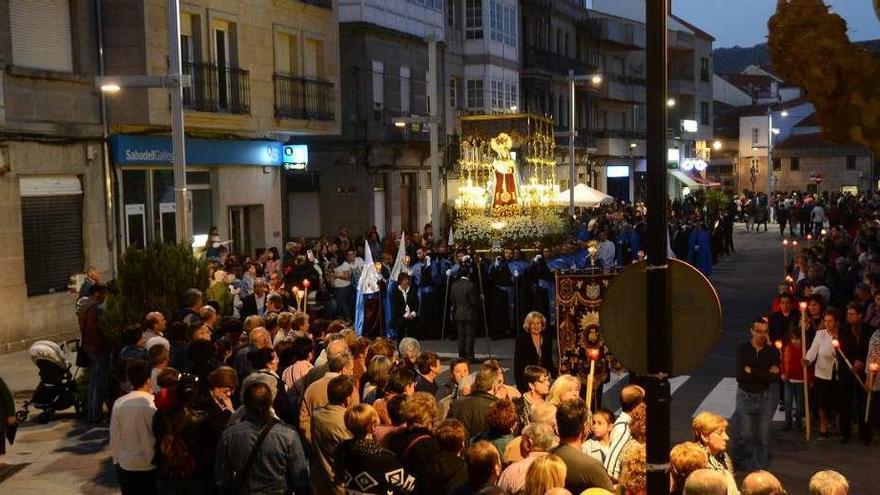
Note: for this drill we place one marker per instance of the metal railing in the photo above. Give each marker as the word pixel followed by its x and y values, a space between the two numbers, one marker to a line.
pixel 217 88
pixel 304 98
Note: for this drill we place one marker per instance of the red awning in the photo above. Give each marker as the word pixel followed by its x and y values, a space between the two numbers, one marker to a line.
pixel 705 182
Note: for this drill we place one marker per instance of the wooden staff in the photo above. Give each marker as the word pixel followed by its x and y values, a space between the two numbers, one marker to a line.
pixel 784 257
pixel 836 344
pixel 873 368
pixel 593 354
pixel 808 429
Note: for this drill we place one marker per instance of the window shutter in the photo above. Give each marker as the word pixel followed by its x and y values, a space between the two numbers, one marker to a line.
pixel 51 224
pixel 41 34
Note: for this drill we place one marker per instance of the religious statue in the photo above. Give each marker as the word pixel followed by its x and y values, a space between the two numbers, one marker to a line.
pixel 504 183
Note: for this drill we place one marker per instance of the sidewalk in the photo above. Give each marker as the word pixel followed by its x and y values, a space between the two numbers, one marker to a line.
pixel 59 458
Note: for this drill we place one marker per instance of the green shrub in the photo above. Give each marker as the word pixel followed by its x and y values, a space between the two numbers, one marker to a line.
pixel 152 279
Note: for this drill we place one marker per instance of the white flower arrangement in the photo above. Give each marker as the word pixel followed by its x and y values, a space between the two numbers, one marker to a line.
pixel 511 231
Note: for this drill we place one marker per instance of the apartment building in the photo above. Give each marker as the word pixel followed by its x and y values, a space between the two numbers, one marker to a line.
pixel 53 217
pixel 606 38
pixel 264 76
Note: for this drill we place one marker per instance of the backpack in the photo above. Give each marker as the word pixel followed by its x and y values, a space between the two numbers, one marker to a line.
pixel 175 460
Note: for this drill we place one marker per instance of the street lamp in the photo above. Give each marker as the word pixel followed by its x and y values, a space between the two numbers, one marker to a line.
pixel 716 145
pixel 175 83
pixel 595 79
pixel 670 102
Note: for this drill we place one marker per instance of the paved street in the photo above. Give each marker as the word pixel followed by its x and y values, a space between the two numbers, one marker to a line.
pixel 63 457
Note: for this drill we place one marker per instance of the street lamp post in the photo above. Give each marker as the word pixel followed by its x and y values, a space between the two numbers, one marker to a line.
pixel 178 141
pixel 596 79
pixel 174 81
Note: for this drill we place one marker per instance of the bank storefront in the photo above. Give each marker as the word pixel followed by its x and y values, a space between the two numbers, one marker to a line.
pixel 233 185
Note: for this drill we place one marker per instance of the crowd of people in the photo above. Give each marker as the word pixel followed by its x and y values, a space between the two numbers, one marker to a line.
pixel 280 405
pixel 248 389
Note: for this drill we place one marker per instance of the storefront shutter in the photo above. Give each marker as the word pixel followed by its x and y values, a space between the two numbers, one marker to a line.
pixel 51 224
pixel 41 34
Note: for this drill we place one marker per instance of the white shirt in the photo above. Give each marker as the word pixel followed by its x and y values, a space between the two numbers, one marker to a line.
pixel 818 214
pixel 340 270
pixel 619 437
pixel 513 479
pixel 132 443
pixel 822 353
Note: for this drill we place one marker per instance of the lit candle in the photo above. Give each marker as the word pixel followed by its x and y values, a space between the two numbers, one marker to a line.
pixel 306 284
pixel 778 344
pixel 593 354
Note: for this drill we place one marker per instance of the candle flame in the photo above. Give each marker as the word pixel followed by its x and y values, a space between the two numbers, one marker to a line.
pixel 835 343
pixel 593 354
pixel 778 344
pixel 803 306
pixel 874 367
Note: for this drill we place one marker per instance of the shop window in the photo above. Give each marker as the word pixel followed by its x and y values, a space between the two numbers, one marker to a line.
pixel 150 207
pixel 51 224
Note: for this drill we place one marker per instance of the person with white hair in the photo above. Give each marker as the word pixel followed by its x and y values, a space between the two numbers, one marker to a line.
pixel 705 482
pixel 409 350
pixel 538 439
pixel 828 482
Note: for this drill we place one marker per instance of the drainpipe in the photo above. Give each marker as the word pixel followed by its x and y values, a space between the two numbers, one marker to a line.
pixel 109 173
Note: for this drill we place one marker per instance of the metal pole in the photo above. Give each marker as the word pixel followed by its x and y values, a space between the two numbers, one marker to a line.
pixel 178 146
pixel 105 149
pixel 657 331
pixel 434 128
pixel 571 133
pixel 769 154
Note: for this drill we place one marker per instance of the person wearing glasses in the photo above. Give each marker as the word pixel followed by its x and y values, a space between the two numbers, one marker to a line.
pixel 757 367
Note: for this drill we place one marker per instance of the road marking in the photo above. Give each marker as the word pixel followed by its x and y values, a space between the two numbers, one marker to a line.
pixel 677 381
pixel 721 400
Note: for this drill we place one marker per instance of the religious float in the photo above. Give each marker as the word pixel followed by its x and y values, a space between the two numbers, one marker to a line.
pixel 508 191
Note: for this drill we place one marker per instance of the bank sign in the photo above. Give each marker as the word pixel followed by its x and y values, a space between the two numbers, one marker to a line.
pixel 156 150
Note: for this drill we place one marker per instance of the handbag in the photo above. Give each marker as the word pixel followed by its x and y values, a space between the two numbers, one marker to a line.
pixel 241 476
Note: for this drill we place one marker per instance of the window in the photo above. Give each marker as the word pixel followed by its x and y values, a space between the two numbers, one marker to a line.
pixel 453 103
pixel 512 96
pixel 704 112
pixel 850 162
pixel 755 132
pixel 431 4
pixel 473 22
pixel 223 42
pixel 795 164
pixel 704 69
pixel 497 95
pixel 510 25
pixel 475 93
pixel 313 58
pixel 777 164
pixel 378 84
pixel 497 20
pixel 451 11
pixel 286 53
pixel 404 91
pixel 51 228
pixel 41 35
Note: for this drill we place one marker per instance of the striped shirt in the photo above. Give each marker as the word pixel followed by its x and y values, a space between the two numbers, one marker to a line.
pixel 619 437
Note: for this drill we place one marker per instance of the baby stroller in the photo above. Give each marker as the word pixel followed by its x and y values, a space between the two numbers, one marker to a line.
pixel 57 388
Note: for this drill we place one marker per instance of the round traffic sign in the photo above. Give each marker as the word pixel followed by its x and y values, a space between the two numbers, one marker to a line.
pixel 695 317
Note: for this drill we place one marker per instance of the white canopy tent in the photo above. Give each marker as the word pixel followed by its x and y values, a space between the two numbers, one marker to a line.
pixel 584 195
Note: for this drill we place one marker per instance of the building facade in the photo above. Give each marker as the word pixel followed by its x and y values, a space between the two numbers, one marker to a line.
pixel 262 74
pixel 52 172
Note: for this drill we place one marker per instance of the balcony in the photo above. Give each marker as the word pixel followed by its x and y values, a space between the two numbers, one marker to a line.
pixel 681 81
pixel 618 34
pixel 679 40
pixel 617 87
pixel 537 58
pixel 217 88
pixel 304 98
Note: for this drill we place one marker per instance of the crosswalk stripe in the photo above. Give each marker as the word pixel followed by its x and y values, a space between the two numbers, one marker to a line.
pixel 721 400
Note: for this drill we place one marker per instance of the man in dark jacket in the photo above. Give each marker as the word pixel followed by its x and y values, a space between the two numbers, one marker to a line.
pixel 96 345
pixel 404 307
pixel 464 299
pixel 255 304
pixel 280 465
pixel 471 410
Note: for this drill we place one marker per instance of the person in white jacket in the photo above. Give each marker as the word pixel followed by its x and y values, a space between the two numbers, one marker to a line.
pixel 824 356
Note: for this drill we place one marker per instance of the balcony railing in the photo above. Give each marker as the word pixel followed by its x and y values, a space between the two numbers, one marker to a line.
pixel 217 88
pixel 304 98
pixel 618 33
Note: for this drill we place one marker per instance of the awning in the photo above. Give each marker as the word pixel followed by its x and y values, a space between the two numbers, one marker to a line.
pixel 706 182
pixel 684 178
